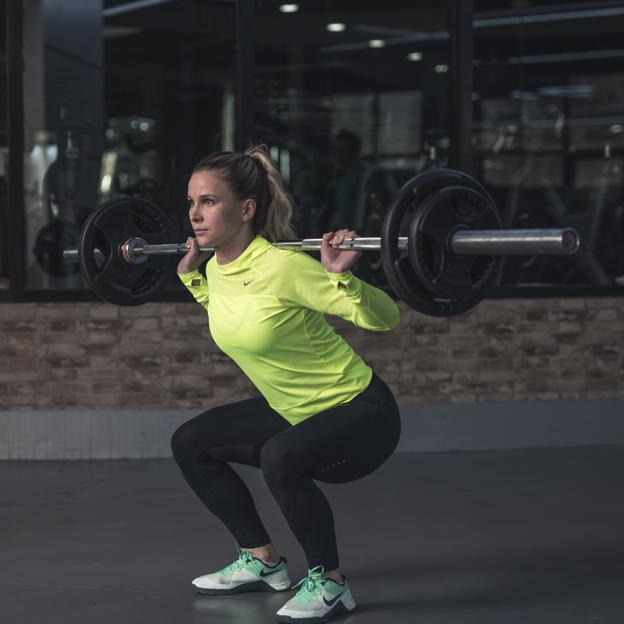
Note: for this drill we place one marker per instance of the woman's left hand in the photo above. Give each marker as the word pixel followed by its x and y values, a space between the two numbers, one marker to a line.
pixel 338 260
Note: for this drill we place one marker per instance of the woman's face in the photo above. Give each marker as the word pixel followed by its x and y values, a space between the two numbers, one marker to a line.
pixel 215 213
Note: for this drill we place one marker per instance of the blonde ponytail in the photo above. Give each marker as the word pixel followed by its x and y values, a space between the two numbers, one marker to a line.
pixel 274 224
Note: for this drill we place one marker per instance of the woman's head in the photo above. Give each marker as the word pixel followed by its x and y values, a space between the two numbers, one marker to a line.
pixel 229 192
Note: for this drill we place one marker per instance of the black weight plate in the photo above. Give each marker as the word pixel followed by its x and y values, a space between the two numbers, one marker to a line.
pixel 397 264
pixel 446 274
pixel 49 245
pixel 107 228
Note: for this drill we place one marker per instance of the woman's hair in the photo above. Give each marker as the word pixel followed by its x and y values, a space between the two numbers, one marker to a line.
pixel 253 175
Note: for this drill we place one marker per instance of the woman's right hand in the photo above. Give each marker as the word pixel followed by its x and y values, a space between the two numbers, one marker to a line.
pixel 193 258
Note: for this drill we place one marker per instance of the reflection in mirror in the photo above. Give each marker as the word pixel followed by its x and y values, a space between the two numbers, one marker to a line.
pixel 549 131
pixel 352 99
pixel 120 98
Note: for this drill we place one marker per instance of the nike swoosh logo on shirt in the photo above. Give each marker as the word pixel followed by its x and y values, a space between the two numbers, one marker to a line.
pixel 329 603
pixel 263 573
pixel 246 283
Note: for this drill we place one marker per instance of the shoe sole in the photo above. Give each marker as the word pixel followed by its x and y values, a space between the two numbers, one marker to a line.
pixel 339 609
pixel 256 586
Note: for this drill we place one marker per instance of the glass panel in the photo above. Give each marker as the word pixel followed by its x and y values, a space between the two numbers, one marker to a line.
pixel 120 98
pixel 4 151
pixel 549 130
pixel 352 100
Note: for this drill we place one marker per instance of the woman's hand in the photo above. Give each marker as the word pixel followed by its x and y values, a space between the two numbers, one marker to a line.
pixel 193 258
pixel 338 260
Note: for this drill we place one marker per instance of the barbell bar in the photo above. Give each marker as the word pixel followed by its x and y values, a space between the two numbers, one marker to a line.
pixel 562 241
pixel 440 244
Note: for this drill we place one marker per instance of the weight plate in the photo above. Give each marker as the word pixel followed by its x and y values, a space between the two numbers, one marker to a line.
pixel 444 273
pixel 107 228
pixel 398 265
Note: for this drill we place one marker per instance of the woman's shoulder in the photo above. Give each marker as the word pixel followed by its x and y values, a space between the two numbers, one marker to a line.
pixel 279 266
pixel 282 256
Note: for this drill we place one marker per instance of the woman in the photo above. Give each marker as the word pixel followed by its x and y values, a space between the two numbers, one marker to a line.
pixel 323 415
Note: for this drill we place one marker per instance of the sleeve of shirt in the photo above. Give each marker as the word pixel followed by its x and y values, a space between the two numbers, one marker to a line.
pixel 197 285
pixel 303 281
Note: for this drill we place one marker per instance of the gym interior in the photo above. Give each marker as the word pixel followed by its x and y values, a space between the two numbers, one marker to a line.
pixel 502 500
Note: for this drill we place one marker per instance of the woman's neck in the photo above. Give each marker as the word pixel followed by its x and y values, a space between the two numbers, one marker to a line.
pixel 233 248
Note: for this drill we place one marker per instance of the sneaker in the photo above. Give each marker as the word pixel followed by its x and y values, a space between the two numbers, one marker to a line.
pixel 319 599
pixel 246 574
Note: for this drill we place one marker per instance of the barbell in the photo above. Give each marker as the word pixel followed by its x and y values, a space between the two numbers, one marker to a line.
pixel 440 245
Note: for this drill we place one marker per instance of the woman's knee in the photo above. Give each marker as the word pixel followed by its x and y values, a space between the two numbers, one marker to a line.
pixel 182 440
pixel 188 437
pixel 277 460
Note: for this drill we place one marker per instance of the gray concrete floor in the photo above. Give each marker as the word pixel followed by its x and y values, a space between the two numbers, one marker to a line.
pixel 519 537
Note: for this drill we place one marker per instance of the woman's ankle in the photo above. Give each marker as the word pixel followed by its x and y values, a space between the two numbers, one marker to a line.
pixel 335 575
pixel 267 554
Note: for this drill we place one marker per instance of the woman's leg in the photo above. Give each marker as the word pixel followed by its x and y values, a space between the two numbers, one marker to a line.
pixel 228 433
pixel 336 446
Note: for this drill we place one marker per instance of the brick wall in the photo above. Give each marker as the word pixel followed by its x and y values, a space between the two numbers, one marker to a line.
pixel 161 355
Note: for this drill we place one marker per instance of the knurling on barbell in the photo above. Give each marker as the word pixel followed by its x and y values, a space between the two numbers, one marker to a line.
pixel 433 214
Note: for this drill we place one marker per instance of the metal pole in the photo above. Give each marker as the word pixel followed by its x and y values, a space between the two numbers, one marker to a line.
pixel 556 242
pixel 245 46
pixel 308 244
pixel 461 84
pixel 14 253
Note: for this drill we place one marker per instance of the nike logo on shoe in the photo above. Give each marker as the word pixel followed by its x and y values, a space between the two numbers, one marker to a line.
pixel 263 573
pixel 329 603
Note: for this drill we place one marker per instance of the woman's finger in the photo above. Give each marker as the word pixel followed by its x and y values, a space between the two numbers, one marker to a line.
pixel 343 235
pixel 338 237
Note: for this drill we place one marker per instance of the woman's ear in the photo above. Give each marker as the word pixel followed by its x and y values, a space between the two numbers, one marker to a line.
pixel 249 210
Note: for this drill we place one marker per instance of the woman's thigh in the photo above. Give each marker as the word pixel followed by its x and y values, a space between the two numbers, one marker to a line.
pixel 234 432
pixel 346 442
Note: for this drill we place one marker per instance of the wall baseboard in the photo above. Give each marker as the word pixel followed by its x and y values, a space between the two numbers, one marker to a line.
pixel 145 433
pixel 500 426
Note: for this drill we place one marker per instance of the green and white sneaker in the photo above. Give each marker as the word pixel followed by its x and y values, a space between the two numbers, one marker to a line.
pixel 246 574
pixel 319 599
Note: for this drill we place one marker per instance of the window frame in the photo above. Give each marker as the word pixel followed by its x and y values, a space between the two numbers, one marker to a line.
pixel 15 143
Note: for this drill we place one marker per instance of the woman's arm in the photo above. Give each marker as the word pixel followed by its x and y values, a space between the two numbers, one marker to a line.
pixel 302 281
pixel 188 272
pixel 197 285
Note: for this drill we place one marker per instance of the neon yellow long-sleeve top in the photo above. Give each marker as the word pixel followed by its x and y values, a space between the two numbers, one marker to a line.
pixel 266 311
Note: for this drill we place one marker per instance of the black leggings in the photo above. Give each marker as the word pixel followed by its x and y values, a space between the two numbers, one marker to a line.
pixel 339 445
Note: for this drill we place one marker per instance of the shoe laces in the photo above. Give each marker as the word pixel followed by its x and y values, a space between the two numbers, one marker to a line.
pixel 311 585
pixel 244 559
